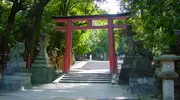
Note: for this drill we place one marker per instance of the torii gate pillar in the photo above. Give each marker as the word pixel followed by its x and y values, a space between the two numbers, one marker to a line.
pixel 67 56
pixel 111 47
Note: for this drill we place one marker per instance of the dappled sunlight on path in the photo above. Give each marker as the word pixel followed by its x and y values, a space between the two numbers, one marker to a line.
pixel 73 90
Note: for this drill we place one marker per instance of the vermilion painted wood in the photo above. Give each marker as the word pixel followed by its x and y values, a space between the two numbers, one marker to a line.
pixel 110 22
pixel 67 57
pixel 85 19
pixel 111 47
pixel 90 27
pixel 89 22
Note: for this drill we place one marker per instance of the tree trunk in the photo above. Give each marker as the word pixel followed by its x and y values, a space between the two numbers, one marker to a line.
pixel 11 18
pixel 35 15
pixel 35 34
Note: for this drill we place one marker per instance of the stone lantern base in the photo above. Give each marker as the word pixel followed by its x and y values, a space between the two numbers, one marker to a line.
pixel 17 81
pixel 126 69
pixel 42 70
pixel 42 75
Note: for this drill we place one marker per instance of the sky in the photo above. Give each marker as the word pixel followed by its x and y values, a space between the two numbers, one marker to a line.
pixel 111 6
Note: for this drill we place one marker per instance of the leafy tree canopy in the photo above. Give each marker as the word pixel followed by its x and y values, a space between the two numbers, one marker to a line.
pixel 154 21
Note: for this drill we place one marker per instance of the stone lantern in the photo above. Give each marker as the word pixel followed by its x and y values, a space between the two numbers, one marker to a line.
pixel 127 65
pixel 43 44
pixel 42 70
pixel 167 75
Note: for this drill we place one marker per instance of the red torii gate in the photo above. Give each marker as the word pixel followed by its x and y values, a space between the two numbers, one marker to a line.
pixel 110 26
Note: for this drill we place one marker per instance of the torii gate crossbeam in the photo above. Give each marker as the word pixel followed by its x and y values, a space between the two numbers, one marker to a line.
pixel 110 26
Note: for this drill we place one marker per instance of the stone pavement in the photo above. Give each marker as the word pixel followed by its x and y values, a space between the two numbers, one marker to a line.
pixel 74 91
pixel 77 91
pixel 90 67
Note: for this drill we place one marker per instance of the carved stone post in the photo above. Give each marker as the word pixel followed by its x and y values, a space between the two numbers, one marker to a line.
pixel 167 74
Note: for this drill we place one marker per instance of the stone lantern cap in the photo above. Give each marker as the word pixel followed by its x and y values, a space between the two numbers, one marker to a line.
pixel 167 57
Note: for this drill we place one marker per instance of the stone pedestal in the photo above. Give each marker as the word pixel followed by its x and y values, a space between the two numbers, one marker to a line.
pixel 15 75
pixel 42 71
pixel 16 81
pixel 42 75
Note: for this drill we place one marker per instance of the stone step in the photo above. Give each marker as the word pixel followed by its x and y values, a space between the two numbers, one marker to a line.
pixel 72 81
pixel 88 74
pixel 120 98
pixel 85 78
pixel 95 75
pixel 92 77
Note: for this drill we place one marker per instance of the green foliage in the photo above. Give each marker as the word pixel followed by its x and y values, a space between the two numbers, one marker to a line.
pixel 4 11
pixel 80 39
pixel 82 47
pixel 154 21
pixel 26 29
pixel 100 42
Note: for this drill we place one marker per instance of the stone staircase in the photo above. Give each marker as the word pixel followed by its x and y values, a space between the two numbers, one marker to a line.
pixel 85 78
